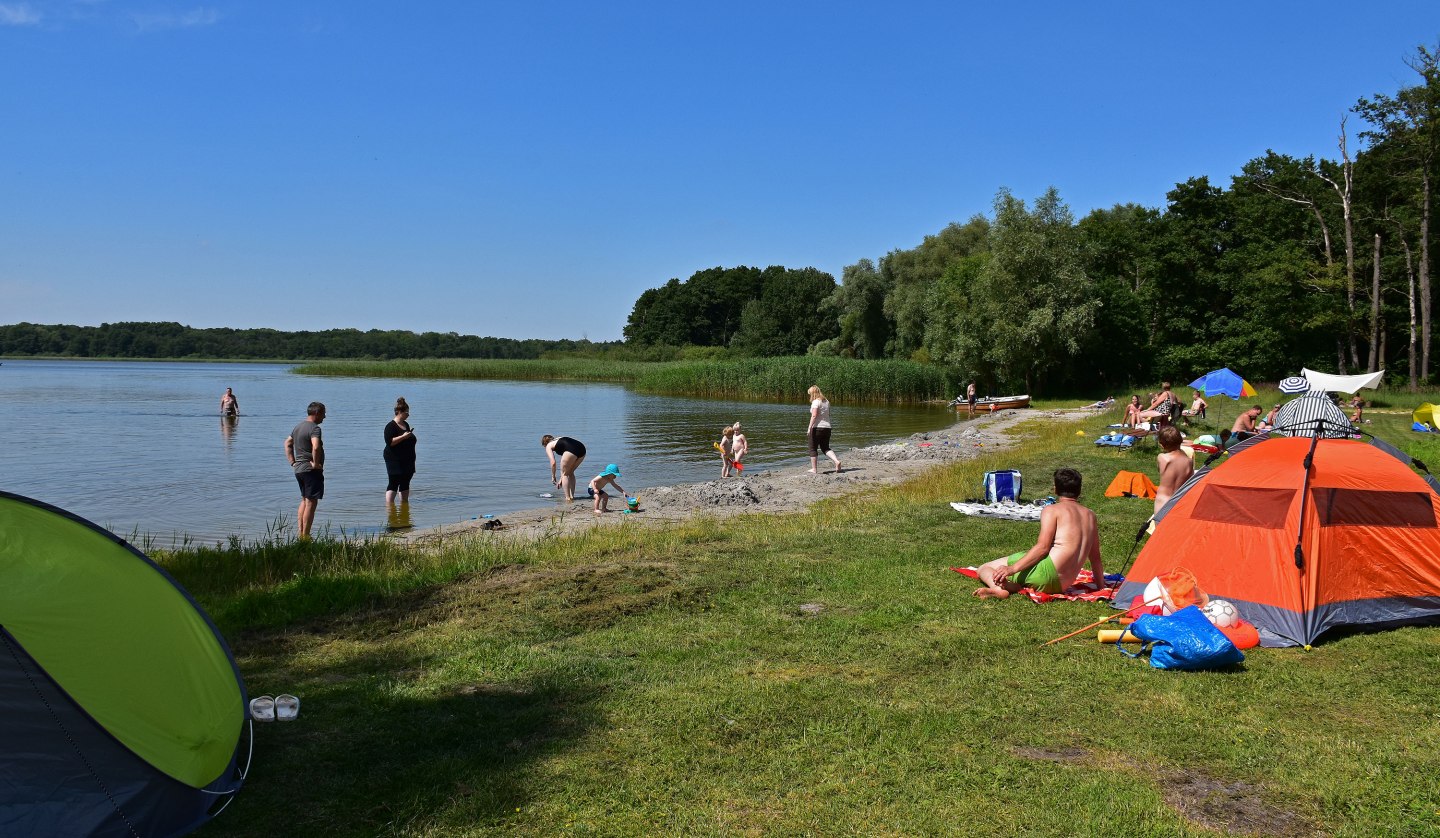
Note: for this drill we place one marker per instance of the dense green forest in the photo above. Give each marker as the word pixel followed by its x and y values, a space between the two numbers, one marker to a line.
pixel 1309 261
pixel 1318 261
pixel 172 340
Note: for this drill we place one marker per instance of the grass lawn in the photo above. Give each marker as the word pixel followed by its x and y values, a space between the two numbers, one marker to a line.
pixel 822 673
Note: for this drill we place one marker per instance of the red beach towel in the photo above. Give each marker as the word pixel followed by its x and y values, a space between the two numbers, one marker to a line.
pixel 1074 593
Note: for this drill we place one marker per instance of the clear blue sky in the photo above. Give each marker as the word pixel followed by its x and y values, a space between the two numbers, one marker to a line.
pixel 528 169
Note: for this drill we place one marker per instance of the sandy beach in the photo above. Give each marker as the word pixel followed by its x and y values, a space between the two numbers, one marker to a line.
pixel 772 491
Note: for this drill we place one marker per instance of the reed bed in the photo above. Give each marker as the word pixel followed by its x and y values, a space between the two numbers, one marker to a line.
pixel 572 369
pixel 761 379
pixel 776 379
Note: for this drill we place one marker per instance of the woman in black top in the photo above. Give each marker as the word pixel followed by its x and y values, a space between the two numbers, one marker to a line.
pixel 399 454
pixel 570 453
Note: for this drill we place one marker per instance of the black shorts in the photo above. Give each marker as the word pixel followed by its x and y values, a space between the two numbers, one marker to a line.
pixel 971 400
pixel 399 482
pixel 819 439
pixel 312 484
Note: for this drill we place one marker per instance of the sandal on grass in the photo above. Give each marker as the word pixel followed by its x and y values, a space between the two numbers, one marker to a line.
pixel 262 709
pixel 287 707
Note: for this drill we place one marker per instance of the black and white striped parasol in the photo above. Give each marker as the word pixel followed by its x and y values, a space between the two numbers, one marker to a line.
pixel 1294 384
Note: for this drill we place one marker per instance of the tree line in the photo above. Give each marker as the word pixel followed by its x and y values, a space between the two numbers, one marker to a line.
pixel 173 340
pixel 1317 261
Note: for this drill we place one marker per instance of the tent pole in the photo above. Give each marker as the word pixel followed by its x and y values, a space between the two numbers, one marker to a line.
pixel 1305 494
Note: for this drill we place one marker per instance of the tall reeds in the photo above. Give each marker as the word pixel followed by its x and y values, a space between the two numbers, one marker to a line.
pixel 570 369
pixel 761 379
pixel 775 379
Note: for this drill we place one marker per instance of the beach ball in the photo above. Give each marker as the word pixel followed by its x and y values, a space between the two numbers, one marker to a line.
pixel 1221 613
pixel 1155 594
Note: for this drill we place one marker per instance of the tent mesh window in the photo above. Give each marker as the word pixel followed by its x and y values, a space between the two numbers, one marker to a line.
pixel 1244 506
pixel 1369 508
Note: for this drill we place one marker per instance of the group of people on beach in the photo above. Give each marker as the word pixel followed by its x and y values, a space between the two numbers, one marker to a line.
pixel 566 454
pixel 305 452
pixel 1069 537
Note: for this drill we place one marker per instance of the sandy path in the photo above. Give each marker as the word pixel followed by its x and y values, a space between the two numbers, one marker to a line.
pixel 776 490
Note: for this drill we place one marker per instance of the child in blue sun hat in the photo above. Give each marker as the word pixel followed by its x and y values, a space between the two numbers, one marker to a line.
pixel 608 477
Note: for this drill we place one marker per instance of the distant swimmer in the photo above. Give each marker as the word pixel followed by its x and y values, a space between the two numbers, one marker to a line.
pixel 229 405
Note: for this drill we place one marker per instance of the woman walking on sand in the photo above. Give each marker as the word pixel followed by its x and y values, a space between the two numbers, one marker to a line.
pixel 399 454
pixel 818 435
pixel 570 453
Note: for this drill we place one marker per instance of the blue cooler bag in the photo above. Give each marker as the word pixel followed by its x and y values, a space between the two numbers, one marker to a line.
pixel 1001 485
pixel 1184 640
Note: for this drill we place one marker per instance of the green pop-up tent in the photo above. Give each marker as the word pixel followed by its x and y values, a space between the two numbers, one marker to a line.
pixel 121 708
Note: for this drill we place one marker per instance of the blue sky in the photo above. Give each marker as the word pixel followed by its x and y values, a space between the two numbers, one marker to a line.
pixel 528 169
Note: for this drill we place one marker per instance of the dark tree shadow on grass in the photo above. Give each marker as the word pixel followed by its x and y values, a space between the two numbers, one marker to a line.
pixel 364 760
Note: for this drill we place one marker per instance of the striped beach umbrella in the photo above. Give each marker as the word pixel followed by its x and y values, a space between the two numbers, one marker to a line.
pixel 1294 384
pixel 1313 414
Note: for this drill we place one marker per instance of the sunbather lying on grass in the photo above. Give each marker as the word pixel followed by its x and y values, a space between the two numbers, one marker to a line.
pixel 1068 539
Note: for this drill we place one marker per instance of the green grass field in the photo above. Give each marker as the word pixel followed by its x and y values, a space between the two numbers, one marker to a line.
pixel 822 673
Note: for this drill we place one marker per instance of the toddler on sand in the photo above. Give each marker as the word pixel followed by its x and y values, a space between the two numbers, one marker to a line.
pixel 608 477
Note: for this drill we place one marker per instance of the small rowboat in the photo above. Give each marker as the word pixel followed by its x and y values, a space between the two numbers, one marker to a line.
pixel 994 403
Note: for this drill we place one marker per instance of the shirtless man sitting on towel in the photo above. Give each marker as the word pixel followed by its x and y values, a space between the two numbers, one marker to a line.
pixel 1068 539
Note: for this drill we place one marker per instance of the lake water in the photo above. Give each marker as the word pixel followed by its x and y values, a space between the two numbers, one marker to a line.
pixel 140 448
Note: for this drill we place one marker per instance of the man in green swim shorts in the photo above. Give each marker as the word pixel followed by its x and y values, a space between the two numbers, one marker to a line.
pixel 1069 537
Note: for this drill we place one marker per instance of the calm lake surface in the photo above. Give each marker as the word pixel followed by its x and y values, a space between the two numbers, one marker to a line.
pixel 140 447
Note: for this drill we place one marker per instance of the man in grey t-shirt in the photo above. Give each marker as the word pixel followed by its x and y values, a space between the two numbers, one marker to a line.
pixel 306 453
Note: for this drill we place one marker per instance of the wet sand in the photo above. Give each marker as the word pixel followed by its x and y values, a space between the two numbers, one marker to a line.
pixel 772 491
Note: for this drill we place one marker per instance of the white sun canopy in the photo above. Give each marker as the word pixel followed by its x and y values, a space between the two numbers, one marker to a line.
pixel 1342 383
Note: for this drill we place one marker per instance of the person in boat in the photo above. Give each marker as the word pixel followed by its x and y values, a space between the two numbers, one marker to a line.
pixel 567 454
pixel 1175 466
pixel 229 405
pixel 1132 412
pixel 1069 538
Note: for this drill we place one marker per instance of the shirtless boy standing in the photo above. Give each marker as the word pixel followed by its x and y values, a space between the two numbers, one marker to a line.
pixel 1175 467
pixel 1068 539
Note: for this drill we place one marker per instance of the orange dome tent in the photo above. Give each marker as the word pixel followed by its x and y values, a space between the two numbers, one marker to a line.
pixel 1305 535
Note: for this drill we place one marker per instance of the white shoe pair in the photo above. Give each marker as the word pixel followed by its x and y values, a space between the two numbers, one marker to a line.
pixel 282 708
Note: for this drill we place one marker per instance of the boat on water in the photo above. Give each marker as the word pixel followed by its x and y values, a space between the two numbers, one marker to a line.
pixel 994 403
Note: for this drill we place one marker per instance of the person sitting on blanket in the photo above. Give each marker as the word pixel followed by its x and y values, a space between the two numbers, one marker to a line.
pixel 1068 539
pixel 1244 426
